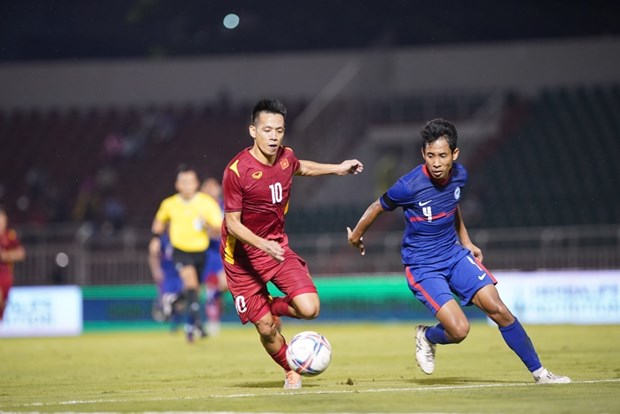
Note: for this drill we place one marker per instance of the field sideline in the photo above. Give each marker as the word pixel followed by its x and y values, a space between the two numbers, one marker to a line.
pixel 373 370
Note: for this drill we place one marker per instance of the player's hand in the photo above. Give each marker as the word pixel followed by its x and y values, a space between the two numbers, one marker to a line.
pixel 476 251
pixel 355 242
pixel 273 249
pixel 351 167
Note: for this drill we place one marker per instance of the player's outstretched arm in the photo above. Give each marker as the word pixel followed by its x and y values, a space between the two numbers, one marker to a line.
pixel 355 236
pixel 313 168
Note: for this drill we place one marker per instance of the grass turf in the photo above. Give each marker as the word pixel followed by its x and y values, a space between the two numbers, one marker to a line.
pixel 373 370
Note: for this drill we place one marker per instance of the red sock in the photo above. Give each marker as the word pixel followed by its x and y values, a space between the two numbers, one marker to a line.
pixel 280 357
pixel 279 307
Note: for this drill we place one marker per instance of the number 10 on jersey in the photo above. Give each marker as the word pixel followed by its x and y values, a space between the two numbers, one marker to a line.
pixel 276 193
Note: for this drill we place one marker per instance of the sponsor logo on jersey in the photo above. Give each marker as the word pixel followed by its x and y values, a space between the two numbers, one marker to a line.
pixel 457 193
pixel 257 175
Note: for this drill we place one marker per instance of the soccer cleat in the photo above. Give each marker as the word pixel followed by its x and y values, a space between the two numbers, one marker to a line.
pixel 292 381
pixel 167 304
pixel 548 377
pixel 424 350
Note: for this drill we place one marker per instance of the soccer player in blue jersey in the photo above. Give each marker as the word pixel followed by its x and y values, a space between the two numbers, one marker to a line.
pixel 440 259
pixel 167 279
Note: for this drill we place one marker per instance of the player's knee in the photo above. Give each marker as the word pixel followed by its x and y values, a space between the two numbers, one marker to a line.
pixel 457 334
pixel 309 312
pixel 307 306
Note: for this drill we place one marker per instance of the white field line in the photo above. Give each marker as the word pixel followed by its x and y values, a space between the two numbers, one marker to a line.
pixel 317 392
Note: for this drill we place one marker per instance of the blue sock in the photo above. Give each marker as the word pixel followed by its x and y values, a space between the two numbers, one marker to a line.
pixel 437 335
pixel 517 339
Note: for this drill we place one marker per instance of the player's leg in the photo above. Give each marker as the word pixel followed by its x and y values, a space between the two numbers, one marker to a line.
pixel 214 279
pixel 293 278
pixel 191 293
pixel 275 345
pixel 515 336
pixel 431 288
pixel 252 303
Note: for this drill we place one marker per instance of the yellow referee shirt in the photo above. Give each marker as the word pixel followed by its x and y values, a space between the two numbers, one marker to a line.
pixel 188 220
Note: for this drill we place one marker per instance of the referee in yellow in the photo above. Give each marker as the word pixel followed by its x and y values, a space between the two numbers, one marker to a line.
pixel 187 216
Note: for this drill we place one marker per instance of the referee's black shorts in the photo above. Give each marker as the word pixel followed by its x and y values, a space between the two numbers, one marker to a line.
pixel 196 259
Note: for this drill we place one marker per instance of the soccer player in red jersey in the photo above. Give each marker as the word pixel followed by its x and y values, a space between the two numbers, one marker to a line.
pixel 257 185
pixel 11 251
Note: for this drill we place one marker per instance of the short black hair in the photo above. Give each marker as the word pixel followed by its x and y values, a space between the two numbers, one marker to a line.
pixel 439 128
pixel 272 106
pixel 184 168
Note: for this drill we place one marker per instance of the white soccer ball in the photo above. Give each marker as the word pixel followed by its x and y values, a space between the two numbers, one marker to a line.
pixel 309 353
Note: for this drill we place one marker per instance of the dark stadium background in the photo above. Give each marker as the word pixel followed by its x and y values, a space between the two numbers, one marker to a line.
pixel 87 29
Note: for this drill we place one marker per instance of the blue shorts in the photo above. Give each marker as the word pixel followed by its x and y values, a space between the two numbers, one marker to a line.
pixel 172 283
pixel 213 261
pixel 435 285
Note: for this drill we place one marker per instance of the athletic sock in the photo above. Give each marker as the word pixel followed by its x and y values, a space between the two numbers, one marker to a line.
pixel 280 357
pixel 437 335
pixel 517 339
pixel 193 307
pixel 213 304
pixel 280 307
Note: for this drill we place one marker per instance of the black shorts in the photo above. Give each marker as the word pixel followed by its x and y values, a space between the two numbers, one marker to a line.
pixel 196 259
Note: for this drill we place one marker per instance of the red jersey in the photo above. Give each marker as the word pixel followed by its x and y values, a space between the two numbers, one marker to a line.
pixel 261 193
pixel 8 241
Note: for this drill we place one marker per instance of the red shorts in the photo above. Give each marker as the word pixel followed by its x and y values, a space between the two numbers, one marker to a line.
pixel 248 286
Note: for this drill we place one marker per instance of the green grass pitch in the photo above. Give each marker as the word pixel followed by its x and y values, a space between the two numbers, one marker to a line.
pixel 373 370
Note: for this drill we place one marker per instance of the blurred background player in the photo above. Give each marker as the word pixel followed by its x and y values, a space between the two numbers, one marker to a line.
pixel 257 186
pixel 213 276
pixel 186 216
pixel 439 257
pixel 170 303
pixel 11 251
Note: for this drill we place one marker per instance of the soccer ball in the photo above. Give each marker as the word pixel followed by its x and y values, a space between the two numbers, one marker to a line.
pixel 309 353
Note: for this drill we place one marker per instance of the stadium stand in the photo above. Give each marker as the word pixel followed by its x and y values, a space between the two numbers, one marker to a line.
pixel 560 167
pixel 532 173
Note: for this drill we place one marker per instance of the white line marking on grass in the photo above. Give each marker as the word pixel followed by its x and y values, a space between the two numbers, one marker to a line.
pixel 407 389
pixel 315 392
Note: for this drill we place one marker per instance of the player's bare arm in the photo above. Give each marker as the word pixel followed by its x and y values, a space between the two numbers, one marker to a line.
pixel 237 229
pixel 158 227
pixel 154 260
pixel 355 236
pixel 17 254
pixel 312 168
pixel 466 242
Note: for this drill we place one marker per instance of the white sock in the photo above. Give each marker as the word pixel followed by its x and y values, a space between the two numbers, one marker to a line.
pixel 539 372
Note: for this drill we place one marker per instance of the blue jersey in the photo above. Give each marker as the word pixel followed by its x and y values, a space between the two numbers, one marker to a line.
pixel 213 260
pixel 172 282
pixel 430 208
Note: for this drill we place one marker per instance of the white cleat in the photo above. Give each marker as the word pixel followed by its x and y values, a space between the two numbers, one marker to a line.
pixel 548 377
pixel 424 350
pixel 292 381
